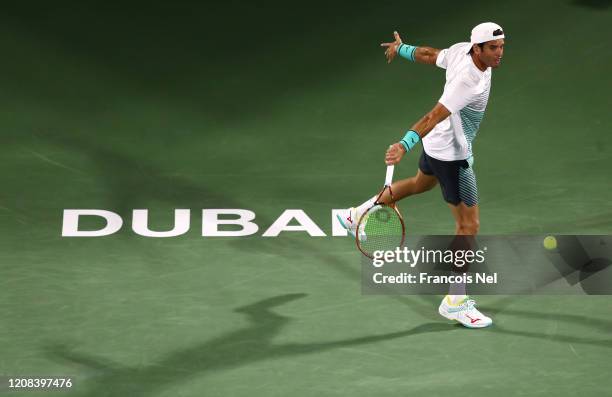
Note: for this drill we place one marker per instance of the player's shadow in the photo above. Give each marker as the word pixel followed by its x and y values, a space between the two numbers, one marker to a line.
pixel 132 182
pixel 286 247
pixel 239 348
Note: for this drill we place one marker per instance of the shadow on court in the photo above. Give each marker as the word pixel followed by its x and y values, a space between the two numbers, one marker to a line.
pixel 236 349
pixel 131 182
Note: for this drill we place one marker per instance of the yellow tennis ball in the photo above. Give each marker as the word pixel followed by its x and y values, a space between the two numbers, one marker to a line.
pixel 550 243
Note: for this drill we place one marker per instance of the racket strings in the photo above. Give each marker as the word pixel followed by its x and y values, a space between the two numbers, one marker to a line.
pixel 381 229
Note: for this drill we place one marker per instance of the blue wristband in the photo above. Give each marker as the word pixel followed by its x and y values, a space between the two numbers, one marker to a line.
pixel 406 51
pixel 410 139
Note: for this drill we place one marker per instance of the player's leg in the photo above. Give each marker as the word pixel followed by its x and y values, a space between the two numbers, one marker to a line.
pixel 457 305
pixel 419 183
pixel 466 228
pixel 423 181
pixel 459 189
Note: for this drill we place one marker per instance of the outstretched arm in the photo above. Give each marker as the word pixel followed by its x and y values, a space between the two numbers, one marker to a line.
pixel 425 55
pixel 417 132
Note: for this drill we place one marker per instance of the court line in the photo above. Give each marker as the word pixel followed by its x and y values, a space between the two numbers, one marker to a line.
pixel 53 162
pixel 573 350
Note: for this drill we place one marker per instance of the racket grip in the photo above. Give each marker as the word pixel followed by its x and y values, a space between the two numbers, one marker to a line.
pixel 389 176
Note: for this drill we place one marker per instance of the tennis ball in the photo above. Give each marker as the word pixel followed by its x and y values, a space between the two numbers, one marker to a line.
pixel 550 242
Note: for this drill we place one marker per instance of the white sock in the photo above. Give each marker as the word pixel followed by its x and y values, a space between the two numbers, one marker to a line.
pixel 366 205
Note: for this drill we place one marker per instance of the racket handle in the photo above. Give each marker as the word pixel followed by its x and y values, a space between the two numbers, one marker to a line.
pixel 389 176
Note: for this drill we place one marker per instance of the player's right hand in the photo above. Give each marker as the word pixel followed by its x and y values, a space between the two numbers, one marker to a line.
pixel 391 50
pixel 394 154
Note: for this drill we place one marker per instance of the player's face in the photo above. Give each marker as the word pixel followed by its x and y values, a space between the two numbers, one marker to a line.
pixel 492 53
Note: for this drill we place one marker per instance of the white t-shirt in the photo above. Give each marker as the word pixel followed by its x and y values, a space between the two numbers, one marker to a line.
pixel 466 94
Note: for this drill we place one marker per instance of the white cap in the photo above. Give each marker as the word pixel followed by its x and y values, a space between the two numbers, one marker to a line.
pixel 486 31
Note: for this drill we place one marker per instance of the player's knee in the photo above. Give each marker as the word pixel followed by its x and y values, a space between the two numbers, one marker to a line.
pixel 429 187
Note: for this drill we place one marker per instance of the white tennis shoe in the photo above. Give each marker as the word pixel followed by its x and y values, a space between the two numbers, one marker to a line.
pixel 349 219
pixel 464 312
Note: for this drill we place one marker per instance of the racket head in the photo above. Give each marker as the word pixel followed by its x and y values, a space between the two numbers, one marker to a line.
pixel 384 230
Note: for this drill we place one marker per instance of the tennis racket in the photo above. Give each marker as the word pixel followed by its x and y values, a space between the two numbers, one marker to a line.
pixel 381 227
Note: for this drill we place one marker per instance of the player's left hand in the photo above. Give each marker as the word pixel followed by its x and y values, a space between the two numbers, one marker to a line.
pixel 394 154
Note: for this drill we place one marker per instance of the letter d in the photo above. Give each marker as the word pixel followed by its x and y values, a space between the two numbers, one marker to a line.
pixel 70 224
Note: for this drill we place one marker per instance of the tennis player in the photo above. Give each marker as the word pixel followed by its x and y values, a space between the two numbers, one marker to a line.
pixel 447 133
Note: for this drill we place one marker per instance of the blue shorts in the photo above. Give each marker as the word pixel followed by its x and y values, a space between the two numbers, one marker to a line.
pixel 457 179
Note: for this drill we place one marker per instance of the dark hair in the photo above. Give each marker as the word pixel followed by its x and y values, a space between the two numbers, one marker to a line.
pixel 481 45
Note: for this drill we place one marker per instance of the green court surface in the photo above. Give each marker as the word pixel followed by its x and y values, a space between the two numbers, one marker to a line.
pixel 272 107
